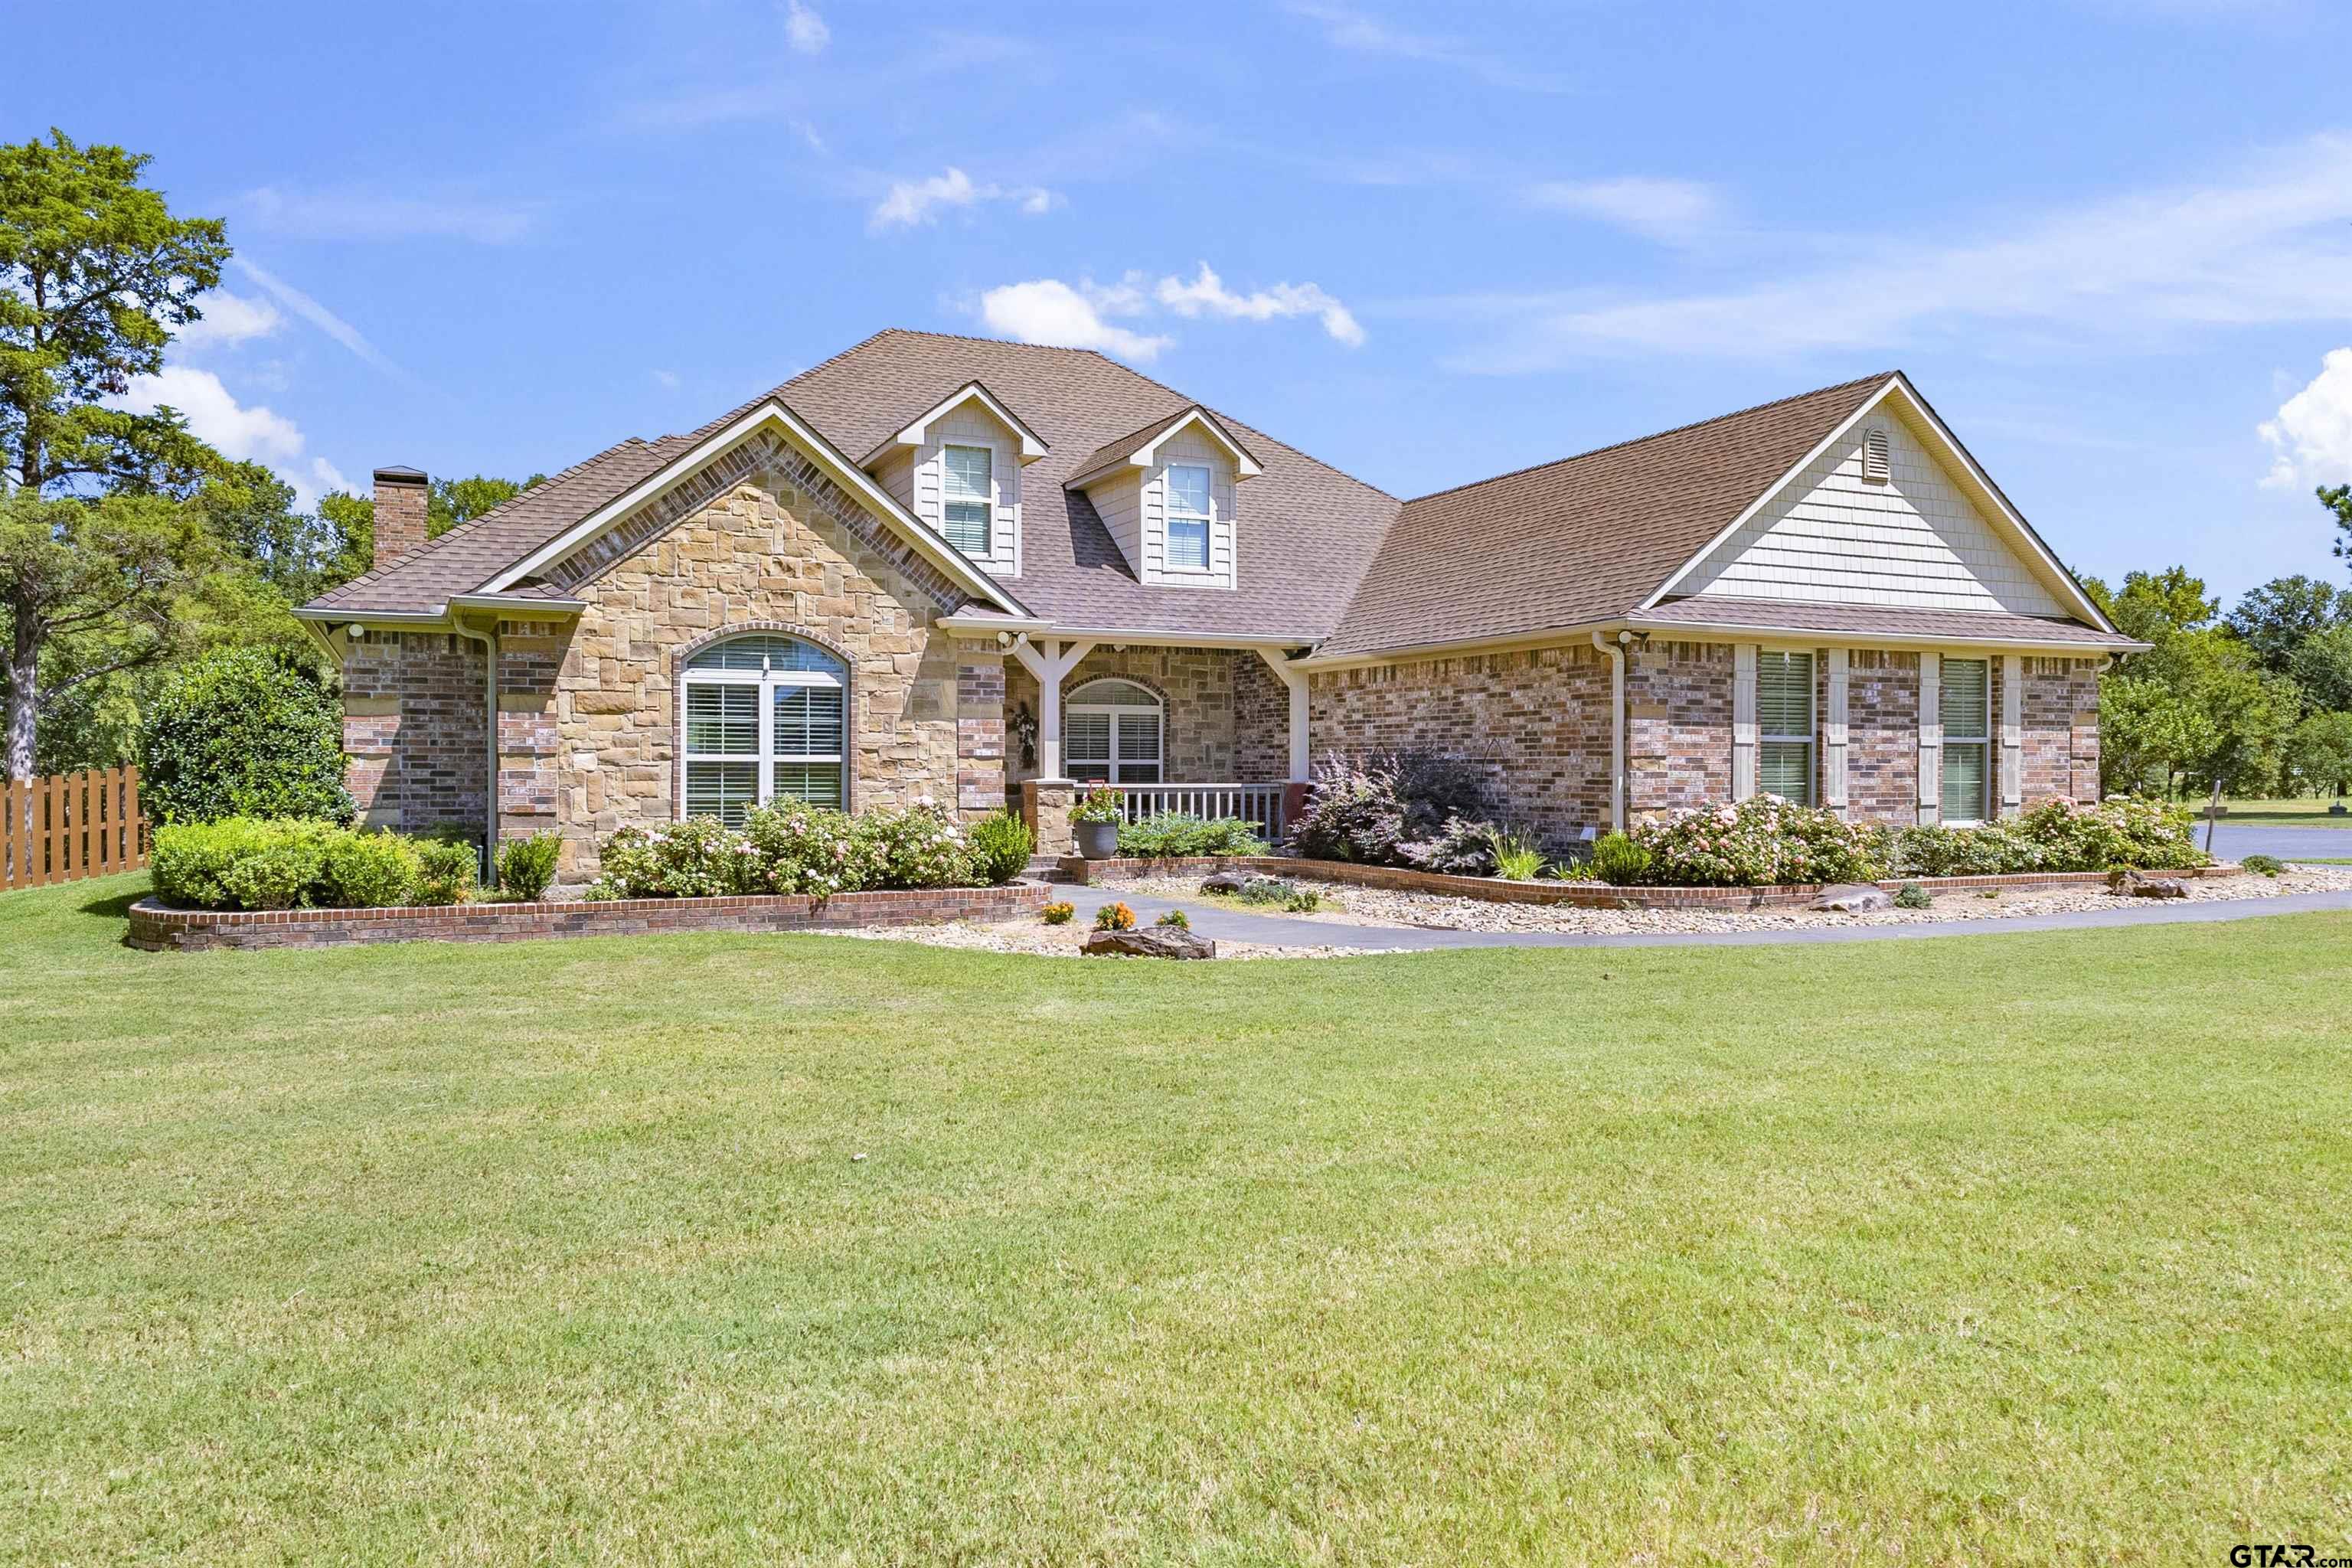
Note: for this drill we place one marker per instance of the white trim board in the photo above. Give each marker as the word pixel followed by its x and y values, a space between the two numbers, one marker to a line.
pixel 934 548
pixel 1033 446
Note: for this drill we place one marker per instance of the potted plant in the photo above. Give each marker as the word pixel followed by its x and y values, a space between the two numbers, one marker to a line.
pixel 1095 822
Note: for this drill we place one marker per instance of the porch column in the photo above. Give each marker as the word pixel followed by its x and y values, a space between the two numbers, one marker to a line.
pixel 1298 684
pixel 1049 661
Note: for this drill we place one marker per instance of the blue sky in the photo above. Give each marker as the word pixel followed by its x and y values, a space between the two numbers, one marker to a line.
pixel 2110 239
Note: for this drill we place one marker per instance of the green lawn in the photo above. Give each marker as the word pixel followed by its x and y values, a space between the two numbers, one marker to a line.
pixel 2300 812
pixel 1995 1248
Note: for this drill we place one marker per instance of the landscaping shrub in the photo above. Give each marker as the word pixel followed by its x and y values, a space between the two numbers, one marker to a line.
pixel 1059 913
pixel 697 859
pixel 370 871
pixel 1269 892
pixel 279 863
pixel 1176 917
pixel 1435 788
pixel 1619 860
pixel 1171 833
pixel 1114 917
pixel 1911 896
pixel 250 733
pixel 1351 814
pixel 2121 834
pixel 450 868
pixel 809 849
pixel 1303 900
pixel 1001 846
pixel 1760 841
pixel 917 848
pixel 1462 848
pixel 1100 804
pixel 2264 864
pixel 1516 859
pixel 527 865
pixel 1993 850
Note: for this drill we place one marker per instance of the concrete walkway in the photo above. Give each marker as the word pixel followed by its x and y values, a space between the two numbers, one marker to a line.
pixel 1284 930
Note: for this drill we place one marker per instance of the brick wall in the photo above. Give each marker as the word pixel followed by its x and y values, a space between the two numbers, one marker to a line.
pixel 1678 727
pixel 2061 746
pixel 980 729
pixel 1538 719
pixel 413 724
pixel 1882 751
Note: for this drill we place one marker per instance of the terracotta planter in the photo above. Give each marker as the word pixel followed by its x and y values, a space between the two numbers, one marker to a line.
pixel 1096 840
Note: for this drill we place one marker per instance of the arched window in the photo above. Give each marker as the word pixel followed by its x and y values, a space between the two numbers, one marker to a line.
pixel 766 719
pixel 1111 732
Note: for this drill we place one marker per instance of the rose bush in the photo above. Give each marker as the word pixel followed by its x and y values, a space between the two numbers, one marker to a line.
pixel 1758 842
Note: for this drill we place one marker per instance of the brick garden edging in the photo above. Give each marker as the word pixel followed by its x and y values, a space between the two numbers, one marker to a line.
pixel 157 928
pixel 1576 895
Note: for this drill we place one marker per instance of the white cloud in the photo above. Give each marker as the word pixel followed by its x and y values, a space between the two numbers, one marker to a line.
pixel 355 214
pixel 1207 294
pixel 913 202
pixel 804 29
pixel 1048 310
pixel 2272 246
pixel 667 380
pixel 228 318
pixel 2311 438
pixel 319 315
pixel 1660 209
pixel 245 433
pixel 1345 27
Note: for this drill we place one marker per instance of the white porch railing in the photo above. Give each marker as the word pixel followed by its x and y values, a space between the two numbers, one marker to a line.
pixel 1260 804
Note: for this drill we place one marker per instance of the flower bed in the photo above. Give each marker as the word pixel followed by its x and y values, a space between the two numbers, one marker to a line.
pixel 156 927
pixel 1579 895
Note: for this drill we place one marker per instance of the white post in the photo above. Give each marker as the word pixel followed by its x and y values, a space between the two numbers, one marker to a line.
pixel 1833 762
pixel 2012 734
pixel 1931 737
pixel 1049 665
pixel 1298 683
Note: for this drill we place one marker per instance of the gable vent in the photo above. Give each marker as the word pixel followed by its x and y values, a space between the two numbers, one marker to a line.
pixel 1877 467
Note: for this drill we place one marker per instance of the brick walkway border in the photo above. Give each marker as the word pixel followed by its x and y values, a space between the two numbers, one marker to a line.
pixel 156 928
pixel 1576 895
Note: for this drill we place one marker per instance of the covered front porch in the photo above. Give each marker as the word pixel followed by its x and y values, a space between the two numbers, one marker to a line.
pixel 1216 730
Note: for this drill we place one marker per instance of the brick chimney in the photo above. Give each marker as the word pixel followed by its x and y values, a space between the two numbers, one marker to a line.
pixel 399 514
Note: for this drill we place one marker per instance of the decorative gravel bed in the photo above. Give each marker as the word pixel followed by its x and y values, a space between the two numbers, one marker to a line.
pixel 1039 940
pixel 1363 906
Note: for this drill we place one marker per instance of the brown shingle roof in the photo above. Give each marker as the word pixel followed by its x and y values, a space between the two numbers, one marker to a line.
pixel 1897 621
pixel 1310 532
pixel 1118 449
pixel 1582 539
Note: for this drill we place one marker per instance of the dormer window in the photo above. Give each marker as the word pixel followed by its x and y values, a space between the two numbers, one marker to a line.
pixel 1188 516
pixel 970 477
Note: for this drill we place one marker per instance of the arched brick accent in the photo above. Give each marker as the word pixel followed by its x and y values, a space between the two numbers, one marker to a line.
pixel 678 658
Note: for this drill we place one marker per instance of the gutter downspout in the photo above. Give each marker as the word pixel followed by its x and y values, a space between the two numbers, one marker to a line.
pixel 1616 731
pixel 489 641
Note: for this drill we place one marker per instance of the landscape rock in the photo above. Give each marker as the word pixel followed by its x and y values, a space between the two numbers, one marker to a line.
pixel 2132 884
pixel 1244 882
pixel 1854 899
pixel 1149 942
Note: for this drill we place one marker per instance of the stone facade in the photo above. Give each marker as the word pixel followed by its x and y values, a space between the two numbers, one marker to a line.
pixel 1537 722
pixel 1677 727
pixel 1219 725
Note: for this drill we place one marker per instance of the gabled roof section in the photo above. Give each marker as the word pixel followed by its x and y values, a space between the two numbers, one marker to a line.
pixel 1583 539
pixel 1033 446
pixel 1141 449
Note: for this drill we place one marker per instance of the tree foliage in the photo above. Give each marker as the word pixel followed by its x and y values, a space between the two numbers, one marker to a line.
pixel 453 501
pixel 95 271
pixel 245 732
pixel 2284 613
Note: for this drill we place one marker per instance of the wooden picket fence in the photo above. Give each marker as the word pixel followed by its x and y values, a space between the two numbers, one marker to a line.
pixel 67 827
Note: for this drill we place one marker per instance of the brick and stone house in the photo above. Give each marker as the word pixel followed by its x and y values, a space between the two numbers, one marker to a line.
pixel 979 571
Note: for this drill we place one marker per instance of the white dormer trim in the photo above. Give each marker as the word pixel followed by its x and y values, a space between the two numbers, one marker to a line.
pixel 1146 457
pixel 1032 446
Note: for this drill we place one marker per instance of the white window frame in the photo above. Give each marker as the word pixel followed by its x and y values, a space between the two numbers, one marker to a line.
pixel 769 682
pixel 1811 739
pixel 1206 519
pixel 948 502
pixel 1981 742
pixel 1113 711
